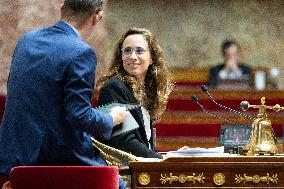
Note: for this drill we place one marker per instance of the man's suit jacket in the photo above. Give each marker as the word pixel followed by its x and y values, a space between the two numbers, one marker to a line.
pixel 48 118
pixel 214 73
pixel 135 141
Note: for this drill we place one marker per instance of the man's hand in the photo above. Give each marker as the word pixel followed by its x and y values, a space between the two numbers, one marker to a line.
pixel 118 114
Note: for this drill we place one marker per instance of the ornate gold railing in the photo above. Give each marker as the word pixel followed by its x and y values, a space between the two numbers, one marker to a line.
pixel 114 156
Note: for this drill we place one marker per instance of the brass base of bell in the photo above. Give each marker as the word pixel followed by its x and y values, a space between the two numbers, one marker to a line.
pixel 262 140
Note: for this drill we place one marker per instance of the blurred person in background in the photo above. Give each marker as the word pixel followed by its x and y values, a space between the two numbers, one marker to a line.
pixel 231 69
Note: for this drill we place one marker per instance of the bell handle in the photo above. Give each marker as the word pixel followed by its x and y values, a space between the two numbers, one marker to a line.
pixel 277 108
pixel 244 105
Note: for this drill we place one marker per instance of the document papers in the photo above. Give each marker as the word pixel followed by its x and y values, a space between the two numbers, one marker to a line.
pixel 217 151
pixel 141 159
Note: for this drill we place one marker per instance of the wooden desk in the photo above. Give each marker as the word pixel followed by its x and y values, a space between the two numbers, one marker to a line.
pixel 209 172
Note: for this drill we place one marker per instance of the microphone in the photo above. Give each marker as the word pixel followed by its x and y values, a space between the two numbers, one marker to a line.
pixel 196 100
pixel 205 89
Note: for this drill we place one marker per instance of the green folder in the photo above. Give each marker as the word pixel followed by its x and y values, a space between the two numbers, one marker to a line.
pixel 129 123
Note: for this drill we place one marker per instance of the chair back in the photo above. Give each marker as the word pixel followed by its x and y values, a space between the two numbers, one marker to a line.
pixel 2 180
pixel 59 177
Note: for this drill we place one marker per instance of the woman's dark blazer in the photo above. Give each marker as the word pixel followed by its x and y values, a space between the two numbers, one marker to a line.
pixel 135 141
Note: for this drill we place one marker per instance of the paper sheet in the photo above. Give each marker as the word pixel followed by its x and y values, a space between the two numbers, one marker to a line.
pixel 217 151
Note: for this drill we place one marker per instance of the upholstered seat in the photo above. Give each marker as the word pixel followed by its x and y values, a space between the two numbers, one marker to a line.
pixel 60 177
pixel 2 180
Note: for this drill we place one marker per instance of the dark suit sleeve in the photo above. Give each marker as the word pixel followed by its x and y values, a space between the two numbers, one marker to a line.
pixel 213 77
pixel 246 70
pixel 116 91
pixel 78 92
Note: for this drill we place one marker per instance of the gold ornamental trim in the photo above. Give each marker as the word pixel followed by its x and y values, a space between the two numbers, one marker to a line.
pixel 219 179
pixel 144 179
pixel 182 178
pixel 256 179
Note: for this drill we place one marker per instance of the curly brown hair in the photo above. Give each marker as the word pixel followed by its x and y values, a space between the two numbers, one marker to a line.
pixel 158 81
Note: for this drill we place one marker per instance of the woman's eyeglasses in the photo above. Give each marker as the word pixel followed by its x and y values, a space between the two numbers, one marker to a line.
pixel 128 51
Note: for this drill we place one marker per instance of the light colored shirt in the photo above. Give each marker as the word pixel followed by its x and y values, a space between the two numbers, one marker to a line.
pixel 224 74
pixel 147 120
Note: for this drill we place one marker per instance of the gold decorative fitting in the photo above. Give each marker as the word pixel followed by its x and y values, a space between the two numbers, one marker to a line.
pixel 219 179
pixel 262 139
pixel 256 179
pixel 144 179
pixel 182 178
pixel 113 156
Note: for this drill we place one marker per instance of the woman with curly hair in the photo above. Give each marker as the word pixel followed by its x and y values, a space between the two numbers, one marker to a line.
pixel 137 74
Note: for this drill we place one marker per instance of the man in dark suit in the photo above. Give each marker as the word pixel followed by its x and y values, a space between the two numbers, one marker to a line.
pixel 48 118
pixel 231 69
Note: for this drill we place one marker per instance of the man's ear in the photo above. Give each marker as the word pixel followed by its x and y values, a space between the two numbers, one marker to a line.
pixel 97 17
pixel 61 9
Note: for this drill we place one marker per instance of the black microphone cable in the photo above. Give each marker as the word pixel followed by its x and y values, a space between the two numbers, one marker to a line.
pixel 196 100
pixel 205 89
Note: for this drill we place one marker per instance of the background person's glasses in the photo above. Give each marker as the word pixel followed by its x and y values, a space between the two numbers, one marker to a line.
pixel 128 51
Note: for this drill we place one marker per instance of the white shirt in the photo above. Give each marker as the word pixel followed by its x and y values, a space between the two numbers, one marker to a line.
pixel 224 74
pixel 147 120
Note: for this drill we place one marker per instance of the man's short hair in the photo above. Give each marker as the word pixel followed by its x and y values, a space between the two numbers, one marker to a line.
pixel 227 44
pixel 81 10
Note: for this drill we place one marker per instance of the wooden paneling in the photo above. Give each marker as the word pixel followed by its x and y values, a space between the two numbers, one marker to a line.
pixel 208 172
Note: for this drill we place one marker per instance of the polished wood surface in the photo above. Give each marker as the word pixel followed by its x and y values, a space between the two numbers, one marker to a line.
pixel 192 76
pixel 219 94
pixel 200 117
pixel 210 172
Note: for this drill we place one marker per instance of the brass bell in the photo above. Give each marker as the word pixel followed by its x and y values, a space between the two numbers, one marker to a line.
pixel 262 139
